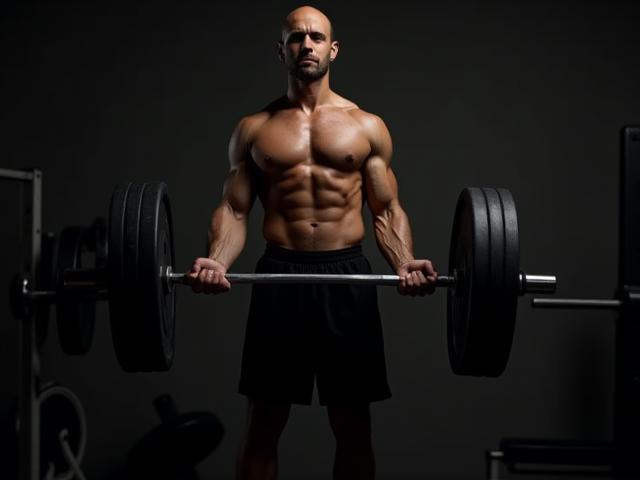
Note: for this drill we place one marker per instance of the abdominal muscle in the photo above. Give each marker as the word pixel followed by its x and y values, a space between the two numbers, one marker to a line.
pixel 313 207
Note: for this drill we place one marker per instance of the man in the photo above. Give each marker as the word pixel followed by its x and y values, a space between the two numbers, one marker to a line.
pixel 313 158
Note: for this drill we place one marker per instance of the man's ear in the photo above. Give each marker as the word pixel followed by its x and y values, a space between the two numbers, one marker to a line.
pixel 280 47
pixel 335 46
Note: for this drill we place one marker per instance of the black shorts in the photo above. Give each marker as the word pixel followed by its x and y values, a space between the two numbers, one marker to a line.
pixel 296 333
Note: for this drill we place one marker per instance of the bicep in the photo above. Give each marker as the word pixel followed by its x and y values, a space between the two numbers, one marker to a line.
pixel 239 190
pixel 380 184
pixel 380 181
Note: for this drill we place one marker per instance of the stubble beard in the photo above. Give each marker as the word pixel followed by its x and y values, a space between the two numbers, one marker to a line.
pixel 309 73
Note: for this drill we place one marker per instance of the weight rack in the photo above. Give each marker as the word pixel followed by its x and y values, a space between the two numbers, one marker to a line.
pixel 29 361
pixel 620 458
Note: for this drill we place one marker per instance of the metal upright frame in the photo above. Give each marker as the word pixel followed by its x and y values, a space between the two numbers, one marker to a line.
pixel 29 364
pixel 627 403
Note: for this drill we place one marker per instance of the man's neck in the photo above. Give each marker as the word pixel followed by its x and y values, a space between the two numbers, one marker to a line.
pixel 309 95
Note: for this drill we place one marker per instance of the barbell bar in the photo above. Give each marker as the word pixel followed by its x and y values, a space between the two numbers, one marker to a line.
pixel 529 283
pixel 625 297
pixel 577 303
pixel 94 285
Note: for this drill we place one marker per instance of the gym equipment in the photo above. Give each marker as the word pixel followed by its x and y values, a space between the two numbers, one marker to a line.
pixel 30 255
pixel 171 450
pixel 45 275
pixel 63 433
pixel 548 457
pixel 75 316
pixel 483 284
pixel 142 310
pixel 484 256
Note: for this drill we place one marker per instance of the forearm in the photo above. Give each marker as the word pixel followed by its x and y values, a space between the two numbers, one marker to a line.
pixel 227 234
pixel 393 235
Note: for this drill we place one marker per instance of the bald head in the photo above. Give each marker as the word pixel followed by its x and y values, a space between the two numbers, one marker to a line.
pixel 304 18
pixel 307 46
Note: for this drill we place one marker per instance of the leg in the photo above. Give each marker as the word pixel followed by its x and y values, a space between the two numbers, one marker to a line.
pixel 258 457
pixel 354 453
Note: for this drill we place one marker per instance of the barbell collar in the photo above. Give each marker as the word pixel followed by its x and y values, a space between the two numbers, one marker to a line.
pixel 21 291
pixel 51 296
pixel 577 303
pixel 85 279
pixel 543 284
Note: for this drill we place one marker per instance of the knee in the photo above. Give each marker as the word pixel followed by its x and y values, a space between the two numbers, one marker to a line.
pixel 266 423
pixel 350 424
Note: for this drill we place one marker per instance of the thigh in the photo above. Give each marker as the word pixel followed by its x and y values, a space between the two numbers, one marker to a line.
pixel 276 363
pixel 351 360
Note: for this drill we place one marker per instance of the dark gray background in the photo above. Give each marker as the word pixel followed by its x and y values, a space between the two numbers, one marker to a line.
pixel 524 95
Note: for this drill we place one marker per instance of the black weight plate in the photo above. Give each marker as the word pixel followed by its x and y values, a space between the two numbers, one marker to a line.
pixel 125 305
pixel 75 317
pixel 98 239
pixel 508 301
pixel 498 318
pixel 170 448
pixel 156 252
pixel 142 313
pixel 117 293
pixel 469 261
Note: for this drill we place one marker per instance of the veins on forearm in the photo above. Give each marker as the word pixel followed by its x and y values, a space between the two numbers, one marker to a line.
pixel 393 235
pixel 226 234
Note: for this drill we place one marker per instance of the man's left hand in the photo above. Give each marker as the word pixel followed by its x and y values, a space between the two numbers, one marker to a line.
pixel 417 277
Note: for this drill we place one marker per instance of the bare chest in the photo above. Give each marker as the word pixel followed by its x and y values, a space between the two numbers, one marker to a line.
pixel 333 140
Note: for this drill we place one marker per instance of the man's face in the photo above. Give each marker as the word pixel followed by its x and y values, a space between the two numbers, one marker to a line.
pixel 307 49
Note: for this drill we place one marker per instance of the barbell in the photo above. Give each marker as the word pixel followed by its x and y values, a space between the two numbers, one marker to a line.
pixel 134 271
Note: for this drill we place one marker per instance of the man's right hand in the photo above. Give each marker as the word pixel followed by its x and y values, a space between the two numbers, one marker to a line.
pixel 207 276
